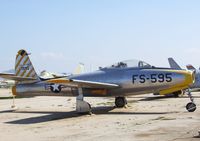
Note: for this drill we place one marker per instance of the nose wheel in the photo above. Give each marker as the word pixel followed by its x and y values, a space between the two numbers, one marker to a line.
pixel 191 106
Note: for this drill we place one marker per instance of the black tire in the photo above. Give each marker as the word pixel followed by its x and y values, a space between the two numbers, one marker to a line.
pixel 191 107
pixel 120 102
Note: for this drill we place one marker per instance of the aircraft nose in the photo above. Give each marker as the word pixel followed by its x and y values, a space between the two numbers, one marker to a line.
pixel 189 77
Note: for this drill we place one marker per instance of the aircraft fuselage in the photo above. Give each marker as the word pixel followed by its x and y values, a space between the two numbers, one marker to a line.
pixel 132 81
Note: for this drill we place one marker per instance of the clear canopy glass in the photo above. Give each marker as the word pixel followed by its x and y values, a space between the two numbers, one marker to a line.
pixel 131 63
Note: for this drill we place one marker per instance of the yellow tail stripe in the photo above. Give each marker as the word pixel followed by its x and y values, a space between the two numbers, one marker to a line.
pixel 17 56
pixel 16 66
pixel 23 64
pixel 23 73
pixel 29 73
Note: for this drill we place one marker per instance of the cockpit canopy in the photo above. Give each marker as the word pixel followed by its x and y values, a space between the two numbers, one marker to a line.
pixel 130 64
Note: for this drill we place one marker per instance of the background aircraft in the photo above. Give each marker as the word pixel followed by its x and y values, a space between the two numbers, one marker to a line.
pixel 118 80
pixel 47 75
pixel 6 83
pixel 196 85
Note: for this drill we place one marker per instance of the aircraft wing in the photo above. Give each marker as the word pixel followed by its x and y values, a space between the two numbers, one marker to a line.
pixel 16 78
pixel 82 83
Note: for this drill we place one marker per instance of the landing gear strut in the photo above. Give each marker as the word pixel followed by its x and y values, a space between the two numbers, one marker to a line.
pixel 191 106
pixel 120 102
pixel 82 106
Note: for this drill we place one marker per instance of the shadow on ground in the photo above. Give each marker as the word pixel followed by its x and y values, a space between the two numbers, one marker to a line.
pixel 161 97
pixel 51 116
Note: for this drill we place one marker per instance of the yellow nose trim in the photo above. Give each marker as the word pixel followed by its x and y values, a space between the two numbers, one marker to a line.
pixel 189 78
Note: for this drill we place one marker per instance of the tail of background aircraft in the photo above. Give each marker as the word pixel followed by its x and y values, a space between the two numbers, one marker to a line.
pixel 23 66
pixel 173 64
pixel 190 67
pixel 80 69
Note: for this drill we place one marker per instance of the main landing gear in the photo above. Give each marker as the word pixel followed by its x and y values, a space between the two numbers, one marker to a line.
pixel 120 102
pixel 191 106
pixel 82 106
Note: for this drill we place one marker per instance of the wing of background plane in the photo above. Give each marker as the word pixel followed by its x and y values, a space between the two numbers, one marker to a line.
pixel 173 64
pixel 82 83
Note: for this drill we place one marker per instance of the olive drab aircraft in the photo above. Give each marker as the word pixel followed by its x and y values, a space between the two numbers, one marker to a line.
pixel 119 80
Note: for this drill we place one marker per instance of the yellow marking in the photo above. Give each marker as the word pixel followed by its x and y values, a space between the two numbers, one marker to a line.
pixel 29 72
pixel 99 92
pixel 189 79
pixel 171 90
pixel 16 66
pixel 58 81
pixel 23 73
pixel 17 56
pixel 24 64
pixel 14 91
pixel 20 51
pixel 18 72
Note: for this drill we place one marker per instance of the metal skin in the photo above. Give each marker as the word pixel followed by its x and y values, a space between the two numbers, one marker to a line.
pixel 120 80
pixel 39 89
pixel 197 81
pixel 196 85
pixel 132 81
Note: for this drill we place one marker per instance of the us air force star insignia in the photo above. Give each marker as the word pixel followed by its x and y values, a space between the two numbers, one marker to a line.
pixel 55 87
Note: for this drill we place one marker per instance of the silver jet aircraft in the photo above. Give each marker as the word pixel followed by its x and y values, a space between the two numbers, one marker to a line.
pixel 119 80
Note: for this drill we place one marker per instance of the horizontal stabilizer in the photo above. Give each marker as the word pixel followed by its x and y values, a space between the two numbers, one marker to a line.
pixel 16 78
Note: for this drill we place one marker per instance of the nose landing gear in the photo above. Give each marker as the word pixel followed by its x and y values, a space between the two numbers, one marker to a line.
pixel 191 106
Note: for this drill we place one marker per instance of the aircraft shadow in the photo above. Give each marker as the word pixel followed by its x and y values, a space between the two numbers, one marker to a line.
pixel 163 97
pixel 156 98
pixel 51 116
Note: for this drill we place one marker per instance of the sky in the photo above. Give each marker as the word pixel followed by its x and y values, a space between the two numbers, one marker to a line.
pixel 60 34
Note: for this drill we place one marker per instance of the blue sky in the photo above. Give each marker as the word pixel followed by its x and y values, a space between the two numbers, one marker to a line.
pixel 62 33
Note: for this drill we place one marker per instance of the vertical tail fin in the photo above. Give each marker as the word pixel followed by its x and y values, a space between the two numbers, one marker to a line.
pixel 23 65
pixel 80 69
pixel 173 64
